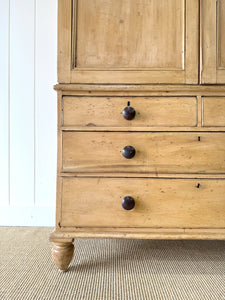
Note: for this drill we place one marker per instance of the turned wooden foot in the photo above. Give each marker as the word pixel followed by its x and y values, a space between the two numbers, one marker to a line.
pixel 62 254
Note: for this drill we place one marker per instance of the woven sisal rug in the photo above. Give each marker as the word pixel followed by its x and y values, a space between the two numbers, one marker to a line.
pixel 110 269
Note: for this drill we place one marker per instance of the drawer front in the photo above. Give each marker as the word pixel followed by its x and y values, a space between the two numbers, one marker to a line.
pixel 97 202
pixel 155 152
pixel 108 111
pixel 214 111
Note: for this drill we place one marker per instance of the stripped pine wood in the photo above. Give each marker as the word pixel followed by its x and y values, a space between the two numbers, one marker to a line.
pixel 140 90
pixel 64 40
pixel 213 41
pixel 213 111
pixel 220 34
pixel 158 202
pixel 144 129
pixel 131 47
pixel 140 121
pixel 128 57
pixel 158 111
pixel 141 175
pixel 135 234
pixel 155 152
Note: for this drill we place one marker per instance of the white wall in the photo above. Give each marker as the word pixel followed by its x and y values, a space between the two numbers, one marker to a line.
pixel 28 114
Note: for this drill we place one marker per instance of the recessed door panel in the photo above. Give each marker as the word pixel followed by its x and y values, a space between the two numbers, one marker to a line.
pixel 128 42
pixel 130 34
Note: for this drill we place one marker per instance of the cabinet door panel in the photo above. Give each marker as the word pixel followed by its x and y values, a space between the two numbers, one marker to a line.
pixel 130 34
pixel 213 42
pixel 132 41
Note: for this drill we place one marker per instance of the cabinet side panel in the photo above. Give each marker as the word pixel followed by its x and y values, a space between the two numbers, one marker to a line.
pixel 64 40
pixel 59 162
pixel 192 42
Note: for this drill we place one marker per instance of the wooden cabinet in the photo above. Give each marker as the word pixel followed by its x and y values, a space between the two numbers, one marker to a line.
pixel 141 121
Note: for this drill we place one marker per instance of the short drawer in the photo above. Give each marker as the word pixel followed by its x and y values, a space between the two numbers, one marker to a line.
pixel 148 111
pixel 97 202
pixel 214 111
pixel 155 152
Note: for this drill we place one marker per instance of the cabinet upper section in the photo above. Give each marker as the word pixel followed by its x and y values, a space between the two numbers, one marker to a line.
pixel 140 41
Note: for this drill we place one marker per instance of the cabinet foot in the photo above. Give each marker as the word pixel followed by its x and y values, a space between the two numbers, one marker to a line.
pixel 62 254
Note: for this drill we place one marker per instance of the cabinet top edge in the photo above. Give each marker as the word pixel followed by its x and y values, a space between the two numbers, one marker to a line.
pixel 140 88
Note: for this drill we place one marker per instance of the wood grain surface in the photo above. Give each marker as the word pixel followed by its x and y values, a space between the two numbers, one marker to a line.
pixel 214 111
pixel 158 202
pixel 156 152
pixel 150 111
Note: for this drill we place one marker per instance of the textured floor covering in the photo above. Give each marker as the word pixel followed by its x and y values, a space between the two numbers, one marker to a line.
pixel 110 269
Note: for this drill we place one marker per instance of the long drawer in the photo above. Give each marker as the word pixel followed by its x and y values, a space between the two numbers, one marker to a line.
pixel 148 111
pixel 155 152
pixel 97 202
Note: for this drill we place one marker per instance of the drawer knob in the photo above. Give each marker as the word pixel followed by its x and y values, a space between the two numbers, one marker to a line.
pixel 128 203
pixel 128 152
pixel 129 113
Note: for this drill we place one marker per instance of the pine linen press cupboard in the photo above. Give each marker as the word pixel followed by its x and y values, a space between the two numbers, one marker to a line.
pixel 141 121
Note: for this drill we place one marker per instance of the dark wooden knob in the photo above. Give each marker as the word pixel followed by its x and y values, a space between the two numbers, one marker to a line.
pixel 128 152
pixel 129 113
pixel 128 203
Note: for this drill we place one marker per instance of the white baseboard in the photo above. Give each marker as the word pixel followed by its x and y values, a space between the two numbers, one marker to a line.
pixel 27 216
